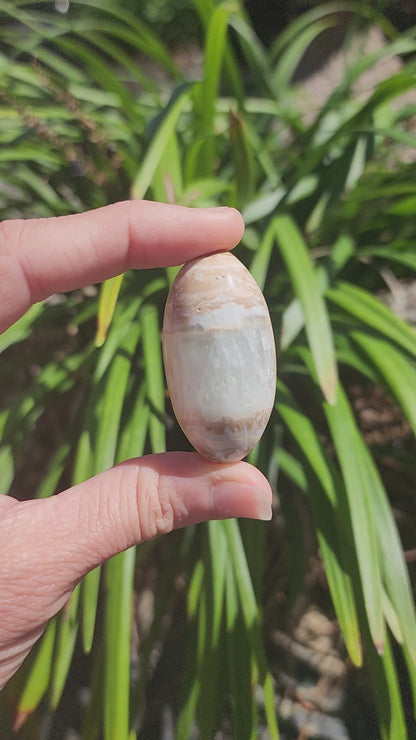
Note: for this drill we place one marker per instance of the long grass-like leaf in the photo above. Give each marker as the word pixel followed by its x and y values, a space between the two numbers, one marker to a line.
pixel 393 567
pixel 160 141
pixel 306 288
pixel 239 662
pixel 167 182
pixel 251 618
pixel 39 677
pixel 206 94
pixel 332 525
pixel 371 312
pixel 118 614
pixel 67 632
pixel 349 449
pixel 119 574
pixel 397 370
pixel 22 328
pixel 110 290
pixel 106 436
pixel 388 700
pixel 152 356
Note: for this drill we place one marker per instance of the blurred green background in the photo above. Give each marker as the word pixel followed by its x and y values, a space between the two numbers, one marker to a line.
pixel 302 115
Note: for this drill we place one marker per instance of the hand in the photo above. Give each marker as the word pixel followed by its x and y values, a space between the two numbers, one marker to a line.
pixel 48 545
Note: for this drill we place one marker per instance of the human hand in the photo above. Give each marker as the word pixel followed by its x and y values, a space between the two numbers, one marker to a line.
pixel 48 545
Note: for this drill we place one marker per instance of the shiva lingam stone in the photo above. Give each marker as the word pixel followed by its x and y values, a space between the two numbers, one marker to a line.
pixel 219 356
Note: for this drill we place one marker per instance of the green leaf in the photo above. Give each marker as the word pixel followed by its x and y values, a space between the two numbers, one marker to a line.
pixel 306 288
pixel 387 692
pixel 210 667
pixel 106 435
pixel 290 58
pixel 21 328
pixel 152 356
pixel 206 93
pixel 293 319
pixel 119 573
pixel 6 468
pixel 332 524
pixel 402 256
pixel 119 577
pixel 68 624
pixel 371 312
pixel 160 141
pixel 134 431
pixel 396 369
pixel 251 616
pixel 110 290
pixel 108 426
pixel 392 563
pixel 350 451
pixel 243 159
pixel 39 676
pixel 239 665
pixel 262 206
pixel 167 179
pixel 260 263
pixel 54 471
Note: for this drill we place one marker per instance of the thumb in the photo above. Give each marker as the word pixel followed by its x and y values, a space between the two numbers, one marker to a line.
pixel 48 545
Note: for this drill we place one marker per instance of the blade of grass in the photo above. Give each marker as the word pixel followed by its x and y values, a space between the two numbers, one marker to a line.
pixel 260 263
pixel 306 288
pixel 253 50
pixel 153 365
pixel 387 692
pixel 167 179
pixel 393 566
pixel 6 469
pixel 139 35
pixel 67 632
pixel 330 520
pixel 293 321
pixel 160 140
pixel 402 256
pixel 119 574
pixel 290 58
pixel 191 689
pixel 349 449
pixel 206 94
pixel 396 369
pixel 109 293
pixel 243 159
pixel 210 615
pixel 370 311
pixel 252 619
pixel 54 471
pixel 38 679
pixel 21 328
pixel 106 436
pixel 239 665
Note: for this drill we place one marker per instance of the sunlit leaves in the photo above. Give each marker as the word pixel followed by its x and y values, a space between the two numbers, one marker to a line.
pixel 328 203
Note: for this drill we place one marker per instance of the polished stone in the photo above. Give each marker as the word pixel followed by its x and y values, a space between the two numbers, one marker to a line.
pixel 219 356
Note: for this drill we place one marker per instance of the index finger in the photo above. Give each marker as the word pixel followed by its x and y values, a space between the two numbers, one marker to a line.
pixel 42 256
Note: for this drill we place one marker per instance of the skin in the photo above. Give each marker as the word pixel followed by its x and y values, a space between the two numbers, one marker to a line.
pixel 48 545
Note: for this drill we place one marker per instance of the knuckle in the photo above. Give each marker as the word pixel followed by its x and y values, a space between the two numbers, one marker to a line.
pixel 14 235
pixel 155 503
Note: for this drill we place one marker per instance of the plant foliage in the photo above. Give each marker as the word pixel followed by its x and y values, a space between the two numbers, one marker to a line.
pixel 328 203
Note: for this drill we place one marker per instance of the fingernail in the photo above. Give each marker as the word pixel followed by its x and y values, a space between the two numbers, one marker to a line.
pixel 264 506
pixel 233 499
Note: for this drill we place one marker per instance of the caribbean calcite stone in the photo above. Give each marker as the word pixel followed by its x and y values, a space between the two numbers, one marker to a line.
pixel 219 356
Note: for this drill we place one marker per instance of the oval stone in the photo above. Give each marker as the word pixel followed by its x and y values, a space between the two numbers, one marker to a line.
pixel 219 356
